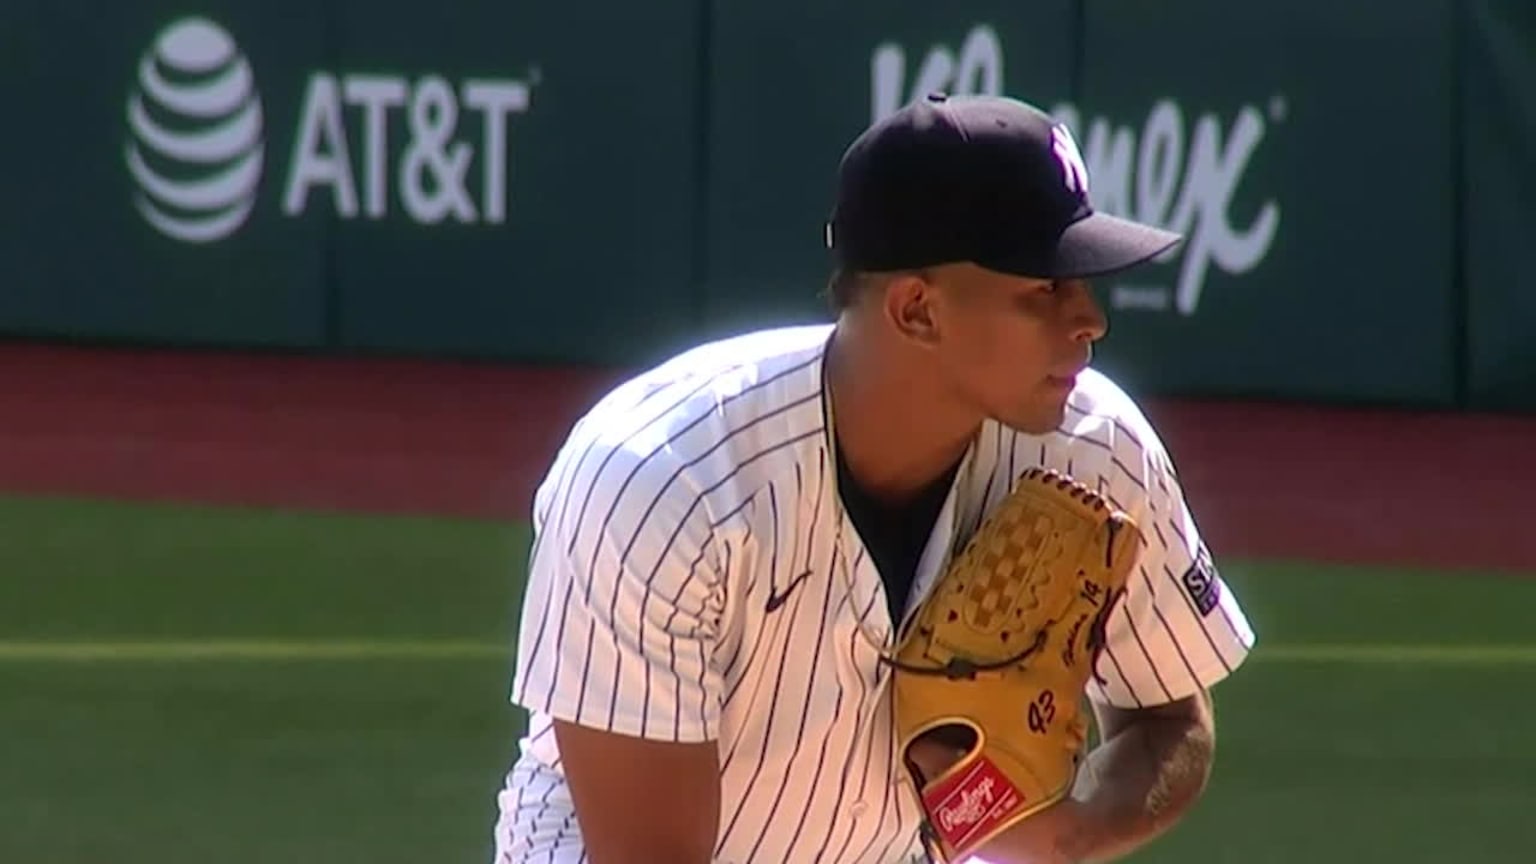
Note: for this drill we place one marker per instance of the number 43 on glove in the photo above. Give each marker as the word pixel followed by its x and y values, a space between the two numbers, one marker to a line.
pixel 997 659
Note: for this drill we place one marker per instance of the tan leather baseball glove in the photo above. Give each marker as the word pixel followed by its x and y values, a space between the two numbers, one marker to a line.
pixel 996 661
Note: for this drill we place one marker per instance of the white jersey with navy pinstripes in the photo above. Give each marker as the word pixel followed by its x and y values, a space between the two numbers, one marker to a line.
pixel 684 585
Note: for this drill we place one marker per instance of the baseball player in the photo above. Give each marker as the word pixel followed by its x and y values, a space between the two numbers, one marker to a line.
pixel 740 555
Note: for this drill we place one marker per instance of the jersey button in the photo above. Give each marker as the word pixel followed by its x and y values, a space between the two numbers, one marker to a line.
pixel 858 809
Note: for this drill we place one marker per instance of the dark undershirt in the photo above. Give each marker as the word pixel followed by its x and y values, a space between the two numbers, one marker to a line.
pixel 895 535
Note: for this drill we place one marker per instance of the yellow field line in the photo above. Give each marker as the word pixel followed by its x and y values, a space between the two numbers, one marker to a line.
pixel 260 650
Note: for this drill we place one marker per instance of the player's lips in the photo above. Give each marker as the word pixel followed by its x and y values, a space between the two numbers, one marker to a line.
pixel 1066 381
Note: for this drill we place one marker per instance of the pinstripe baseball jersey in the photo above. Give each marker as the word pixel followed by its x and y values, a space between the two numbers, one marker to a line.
pixel 685 584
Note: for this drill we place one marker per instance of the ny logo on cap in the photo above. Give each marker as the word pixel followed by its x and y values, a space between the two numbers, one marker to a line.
pixel 1072 168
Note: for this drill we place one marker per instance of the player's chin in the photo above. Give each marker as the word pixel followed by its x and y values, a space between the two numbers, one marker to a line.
pixel 1038 417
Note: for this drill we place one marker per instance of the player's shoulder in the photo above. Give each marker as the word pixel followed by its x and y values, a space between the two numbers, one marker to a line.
pixel 742 376
pixel 1101 412
pixel 698 409
pixel 1107 438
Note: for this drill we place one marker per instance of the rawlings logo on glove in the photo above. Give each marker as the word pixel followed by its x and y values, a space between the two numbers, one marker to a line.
pixel 997 659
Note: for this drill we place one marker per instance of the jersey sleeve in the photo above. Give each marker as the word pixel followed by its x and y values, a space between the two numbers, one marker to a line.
pixel 623 599
pixel 1180 628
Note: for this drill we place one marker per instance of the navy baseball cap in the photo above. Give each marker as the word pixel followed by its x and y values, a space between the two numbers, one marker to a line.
pixel 984 179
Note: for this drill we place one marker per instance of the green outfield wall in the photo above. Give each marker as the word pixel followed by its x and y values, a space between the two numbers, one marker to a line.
pixel 599 183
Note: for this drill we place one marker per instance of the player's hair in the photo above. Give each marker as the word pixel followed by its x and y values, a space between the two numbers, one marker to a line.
pixel 842 289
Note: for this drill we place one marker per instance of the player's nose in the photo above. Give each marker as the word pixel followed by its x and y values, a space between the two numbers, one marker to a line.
pixel 1084 314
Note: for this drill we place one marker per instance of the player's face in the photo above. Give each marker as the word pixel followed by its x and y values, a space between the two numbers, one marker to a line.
pixel 1013 346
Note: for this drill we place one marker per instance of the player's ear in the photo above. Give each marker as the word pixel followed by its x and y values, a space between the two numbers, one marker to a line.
pixel 909 305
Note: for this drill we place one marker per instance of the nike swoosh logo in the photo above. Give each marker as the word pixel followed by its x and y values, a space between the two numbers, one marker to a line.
pixel 776 601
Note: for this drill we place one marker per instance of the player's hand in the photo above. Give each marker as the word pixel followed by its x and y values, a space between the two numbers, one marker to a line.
pixel 1012 696
pixel 1054 835
pixel 1048 837
pixel 932 755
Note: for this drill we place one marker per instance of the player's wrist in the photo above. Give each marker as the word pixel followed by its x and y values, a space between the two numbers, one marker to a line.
pixel 1080 827
pixel 1060 834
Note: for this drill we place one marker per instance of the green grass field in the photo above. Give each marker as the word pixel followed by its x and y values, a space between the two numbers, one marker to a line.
pixel 186 686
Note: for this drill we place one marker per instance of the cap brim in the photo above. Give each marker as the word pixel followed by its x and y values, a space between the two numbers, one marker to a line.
pixel 1098 244
pixel 1101 244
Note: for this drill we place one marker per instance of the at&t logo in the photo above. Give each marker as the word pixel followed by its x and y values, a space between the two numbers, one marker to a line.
pixel 195 145
pixel 363 146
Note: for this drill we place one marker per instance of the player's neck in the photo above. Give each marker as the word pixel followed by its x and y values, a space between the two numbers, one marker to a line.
pixel 896 433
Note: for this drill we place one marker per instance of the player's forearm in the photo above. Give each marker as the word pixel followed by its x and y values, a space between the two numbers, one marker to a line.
pixel 1133 787
pixel 1138 784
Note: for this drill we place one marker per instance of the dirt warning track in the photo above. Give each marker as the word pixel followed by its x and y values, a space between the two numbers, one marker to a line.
pixel 472 440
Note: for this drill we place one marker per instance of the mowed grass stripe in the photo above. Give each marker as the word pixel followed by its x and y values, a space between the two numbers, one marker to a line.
pixel 248 650
pixel 1471 654
pixel 259 650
